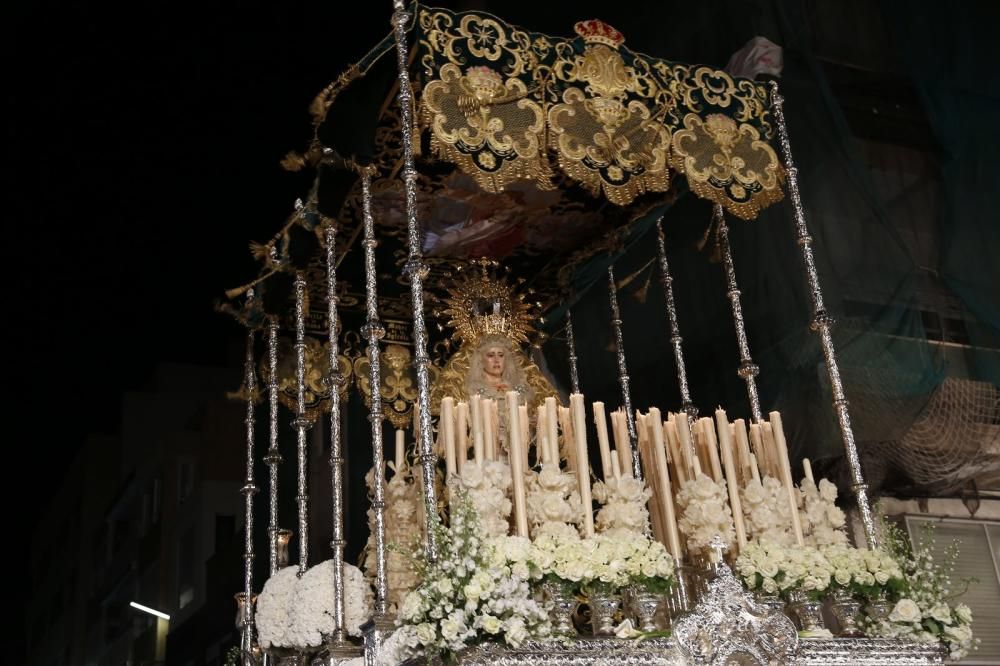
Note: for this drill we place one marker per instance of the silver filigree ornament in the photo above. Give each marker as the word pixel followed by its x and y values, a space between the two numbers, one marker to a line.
pixel 729 627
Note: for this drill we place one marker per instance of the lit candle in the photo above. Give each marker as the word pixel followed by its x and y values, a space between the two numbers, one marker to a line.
pixel 448 432
pixel 726 446
pixel 781 446
pixel 516 464
pixel 602 439
pixel 477 429
pixel 582 461
pixel 462 425
pixel 807 468
pixel 666 495
pixel 400 451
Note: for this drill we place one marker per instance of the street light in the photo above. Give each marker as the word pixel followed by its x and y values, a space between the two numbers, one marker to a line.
pixel 151 611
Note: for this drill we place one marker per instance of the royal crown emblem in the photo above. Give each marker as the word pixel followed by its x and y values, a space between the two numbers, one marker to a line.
pixel 481 303
pixel 596 31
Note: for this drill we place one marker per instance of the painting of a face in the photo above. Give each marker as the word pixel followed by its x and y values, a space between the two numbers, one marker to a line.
pixel 494 359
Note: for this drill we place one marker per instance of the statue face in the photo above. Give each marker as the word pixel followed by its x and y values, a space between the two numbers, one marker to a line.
pixel 494 360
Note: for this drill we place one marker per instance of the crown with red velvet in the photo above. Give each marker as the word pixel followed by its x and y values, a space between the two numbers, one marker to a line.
pixel 596 31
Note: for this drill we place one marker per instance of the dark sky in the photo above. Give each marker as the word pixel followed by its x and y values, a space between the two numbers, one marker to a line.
pixel 145 142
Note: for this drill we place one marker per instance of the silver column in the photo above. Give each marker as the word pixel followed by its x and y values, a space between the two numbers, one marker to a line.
pixel 623 378
pixel 249 490
pixel 748 370
pixel 374 331
pixel 300 423
pixel 273 457
pixel 574 375
pixel 335 381
pixel 667 282
pixel 417 271
pixel 821 323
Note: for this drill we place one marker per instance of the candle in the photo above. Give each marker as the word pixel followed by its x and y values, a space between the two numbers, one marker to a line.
pixel 773 459
pixel 726 447
pixel 462 425
pixel 760 454
pixel 552 430
pixel 623 445
pixel 753 468
pixel 525 424
pixel 516 464
pixel 653 504
pixel 708 428
pixel 743 446
pixel 677 456
pixel 683 424
pixel 495 426
pixel 582 461
pixel 448 430
pixel 400 451
pixel 807 468
pixel 602 439
pixel 541 441
pixel 477 429
pixel 616 468
pixel 569 439
pixel 666 495
pixel 781 446
pixel 489 434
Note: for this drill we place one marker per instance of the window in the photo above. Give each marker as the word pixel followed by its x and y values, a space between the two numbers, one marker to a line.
pixel 979 558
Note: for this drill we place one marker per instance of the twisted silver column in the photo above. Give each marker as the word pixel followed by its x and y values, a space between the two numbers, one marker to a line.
pixel 821 323
pixel 335 381
pixel 748 370
pixel 667 282
pixel 273 457
pixel 417 271
pixel 249 490
pixel 574 375
pixel 300 423
pixel 374 331
pixel 623 378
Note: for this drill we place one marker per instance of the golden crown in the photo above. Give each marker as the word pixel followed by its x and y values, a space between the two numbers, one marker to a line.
pixel 481 303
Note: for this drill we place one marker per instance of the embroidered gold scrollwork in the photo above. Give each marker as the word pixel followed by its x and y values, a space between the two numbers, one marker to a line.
pixel 728 163
pixel 487 126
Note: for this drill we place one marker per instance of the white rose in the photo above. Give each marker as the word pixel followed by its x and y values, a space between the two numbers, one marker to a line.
pixel 473 590
pixel 444 586
pixel 941 613
pixel 827 490
pixel 905 611
pixel 753 493
pixel 472 476
pixel 490 624
pixel 842 576
pixel 958 634
pixel 768 569
pixel 963 613
pixel 426 633
pixel 769 586
pixel 450 629
pixel 631 490
pixel 551 478
pixel 881 577
pixel 514 631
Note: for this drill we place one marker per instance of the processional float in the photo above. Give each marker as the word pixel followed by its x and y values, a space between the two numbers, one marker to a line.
pixel 478 144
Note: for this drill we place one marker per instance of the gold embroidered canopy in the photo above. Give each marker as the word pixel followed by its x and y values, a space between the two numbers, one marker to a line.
pixel 507 106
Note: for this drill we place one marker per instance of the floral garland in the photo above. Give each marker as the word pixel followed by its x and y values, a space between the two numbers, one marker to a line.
pixel 704 513
pixel 923 611
pixel 471 592
pixel 553 502
pixel 296 612
pixel 624 506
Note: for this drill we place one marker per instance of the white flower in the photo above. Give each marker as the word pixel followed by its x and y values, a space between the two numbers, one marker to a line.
pixel 426 633
pixel 959 634
pixel 905 611
pixel 963 613
pixel 490 624
pixel 941 612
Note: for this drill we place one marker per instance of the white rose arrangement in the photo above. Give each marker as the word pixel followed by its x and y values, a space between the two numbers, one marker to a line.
pixel 624 506
pixel 477 589
pixel 487 486
pixel 776 569
pixel 766 512
pixel 610 560
pixel 298 612
pixel 923 610
pixel 553 502
pixel 823 523
pixel 864 573
pixel 703 506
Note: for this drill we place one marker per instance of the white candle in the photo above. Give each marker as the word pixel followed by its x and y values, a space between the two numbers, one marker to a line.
pixel 400 451
pixel 753 468
pixel 552 426
pixel 462 426
pixel 477 429
pixel 602 439
pixel 726 446
pixel 807 468
pixel 582 461
pixel 541 440
pixel 569 439
pixel 786 472
pixel 616 468
pixel 743 444
pixel 525 430
pixel 708 430
pixel 666 495
pixel 489 434
pixel 516 464
pixel 448 430
pixel 682 423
